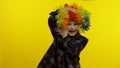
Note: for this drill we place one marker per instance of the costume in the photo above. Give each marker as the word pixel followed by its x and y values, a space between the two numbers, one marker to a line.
pixel 64 52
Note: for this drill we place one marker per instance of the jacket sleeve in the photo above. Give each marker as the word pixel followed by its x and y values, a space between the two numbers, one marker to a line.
pixel 52 24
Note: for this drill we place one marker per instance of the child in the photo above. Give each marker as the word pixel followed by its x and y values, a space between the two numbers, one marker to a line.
pixel 64 24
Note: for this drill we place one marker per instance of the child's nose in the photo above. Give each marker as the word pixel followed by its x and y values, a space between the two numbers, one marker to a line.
pixel 71 27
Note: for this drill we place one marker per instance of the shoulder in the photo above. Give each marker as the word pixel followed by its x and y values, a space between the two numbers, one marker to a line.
pixel 82 41
pixel 82 38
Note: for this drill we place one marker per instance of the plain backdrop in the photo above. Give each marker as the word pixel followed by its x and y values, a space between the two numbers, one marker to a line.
pixel 25 35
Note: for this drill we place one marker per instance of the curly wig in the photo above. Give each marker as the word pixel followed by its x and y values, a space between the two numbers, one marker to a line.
pixel 67 13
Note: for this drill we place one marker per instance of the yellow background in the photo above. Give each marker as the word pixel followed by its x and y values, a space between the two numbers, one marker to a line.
pixel 25 35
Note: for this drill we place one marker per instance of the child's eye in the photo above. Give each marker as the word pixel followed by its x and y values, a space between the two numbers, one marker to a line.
pixel 75 24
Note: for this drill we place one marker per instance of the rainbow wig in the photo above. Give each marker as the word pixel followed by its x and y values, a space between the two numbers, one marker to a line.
pixel 74 13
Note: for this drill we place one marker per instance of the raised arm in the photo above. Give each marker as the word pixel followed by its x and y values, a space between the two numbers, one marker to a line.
pixel 52 24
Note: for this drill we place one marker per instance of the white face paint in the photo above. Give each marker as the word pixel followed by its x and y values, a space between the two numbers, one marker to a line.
pixel 72 28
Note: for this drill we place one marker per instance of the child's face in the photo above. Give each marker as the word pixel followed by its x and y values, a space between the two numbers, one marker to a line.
pixel 72 28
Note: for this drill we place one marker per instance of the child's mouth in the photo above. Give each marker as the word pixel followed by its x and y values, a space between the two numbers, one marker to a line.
pixel 72 31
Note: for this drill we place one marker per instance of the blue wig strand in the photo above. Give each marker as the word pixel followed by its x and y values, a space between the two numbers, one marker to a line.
pixel 86 23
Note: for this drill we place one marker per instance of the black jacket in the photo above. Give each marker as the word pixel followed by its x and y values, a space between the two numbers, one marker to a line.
pixel 64 52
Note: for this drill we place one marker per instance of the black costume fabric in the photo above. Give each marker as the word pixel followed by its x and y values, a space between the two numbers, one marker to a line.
pixel 64 52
